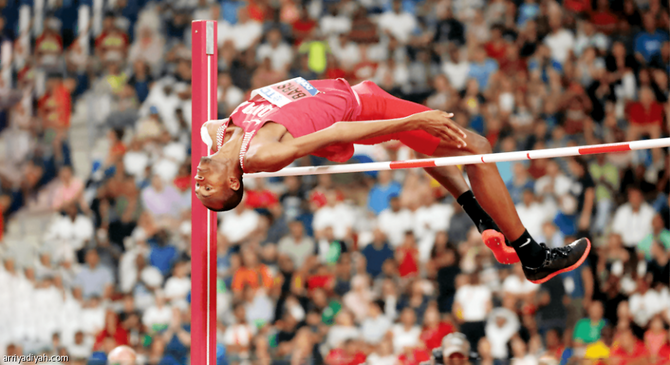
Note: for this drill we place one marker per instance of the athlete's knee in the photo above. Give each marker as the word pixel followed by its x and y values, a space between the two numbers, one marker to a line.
pixel 478 144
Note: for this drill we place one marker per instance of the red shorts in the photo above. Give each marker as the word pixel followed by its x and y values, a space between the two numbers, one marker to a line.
pixel 377 104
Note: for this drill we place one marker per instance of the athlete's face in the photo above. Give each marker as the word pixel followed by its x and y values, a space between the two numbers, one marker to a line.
pixel 214 183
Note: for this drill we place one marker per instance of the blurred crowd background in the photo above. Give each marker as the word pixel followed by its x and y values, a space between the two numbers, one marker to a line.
pixel 377 267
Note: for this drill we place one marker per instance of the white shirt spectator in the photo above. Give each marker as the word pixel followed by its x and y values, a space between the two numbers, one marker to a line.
pixel 561 43
pixel 338 334
pixel 633 226
pixel 335 24
pixel 428 220
pixel 347 54
pixel 533 217
pixel 561 183
pixel 280 56
pixel 474 301
pixel 66 234
pixel 457 73
pixel 395 224
pixel 515 285
pixel 92 319
pixel 374 329
pixel 239 334
pixel 645 306
pixel 400 25
pixel 177 288
pixel 244 34
pixel 237 224
pixel 339 217
pixel 234 96
pixel 157 317
pixel 499 335
pixel 404 338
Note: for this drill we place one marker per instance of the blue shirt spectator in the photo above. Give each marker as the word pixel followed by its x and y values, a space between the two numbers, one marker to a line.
pixel 527 11
pixel 648 43
pixel 94 279
pixel 162 255
pixel 482 68
pixel 379 196
pixel 376 253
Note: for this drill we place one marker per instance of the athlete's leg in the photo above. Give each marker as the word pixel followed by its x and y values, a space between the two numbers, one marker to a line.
pixel 540 263
pixel 378 104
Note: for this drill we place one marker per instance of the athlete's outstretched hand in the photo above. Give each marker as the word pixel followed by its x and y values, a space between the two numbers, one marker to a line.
pixel 439 124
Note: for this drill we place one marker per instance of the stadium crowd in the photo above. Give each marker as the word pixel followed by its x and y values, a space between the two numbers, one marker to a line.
pixel 369 268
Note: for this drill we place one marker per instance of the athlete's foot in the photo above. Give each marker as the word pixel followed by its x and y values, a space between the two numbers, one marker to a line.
pixel 496 242
pixel 559 260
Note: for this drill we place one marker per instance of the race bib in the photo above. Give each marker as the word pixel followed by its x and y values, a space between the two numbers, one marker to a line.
pixel 286 92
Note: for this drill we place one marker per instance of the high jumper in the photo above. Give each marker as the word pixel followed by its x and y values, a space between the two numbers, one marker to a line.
pixel 291 119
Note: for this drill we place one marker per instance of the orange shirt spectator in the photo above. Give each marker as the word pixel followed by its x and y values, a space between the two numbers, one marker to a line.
pixel 56 105
pixel 252 273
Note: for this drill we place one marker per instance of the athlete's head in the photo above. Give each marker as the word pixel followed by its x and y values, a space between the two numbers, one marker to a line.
pixel 218 184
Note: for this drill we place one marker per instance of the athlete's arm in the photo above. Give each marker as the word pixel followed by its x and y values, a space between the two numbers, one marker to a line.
pixel 275 156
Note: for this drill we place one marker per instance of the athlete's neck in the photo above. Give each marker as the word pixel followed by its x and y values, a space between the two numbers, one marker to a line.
pixel 232 144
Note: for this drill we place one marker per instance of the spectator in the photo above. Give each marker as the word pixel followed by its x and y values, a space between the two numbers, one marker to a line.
pixel 375 325
pixel 406 333
pixel 239 224
pixel 382 192
pixel 161 199
pixel 560 40
pixel 532 215
pixel 158 316
pixel 521 183
pixel 276 50
pixel 251 273
pixel 434 329
pixel 472 306
pixel 658 234
pixel 94 279
pixel 587 330
pixel 297 245
pixel 238 337
pixel 335 214
pixel 394 222
pixel 629 349
pixel 501 326
pixel 397 23
pixel 648 42
pixel 646 116
pixel 482 68
pixel 376 253
pixel 68 190
pixel 633 219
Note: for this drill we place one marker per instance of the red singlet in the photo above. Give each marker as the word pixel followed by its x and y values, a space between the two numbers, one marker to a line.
pixel 306 107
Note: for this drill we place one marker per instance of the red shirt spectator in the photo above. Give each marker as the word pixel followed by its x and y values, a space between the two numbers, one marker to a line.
pixel 432 337
pixel 261 198
pixel 112 329
pixel 577 6
pixel 340 356
pixel 413 357
pixel 629 350
pixel 641 114
pixel 664 355
pixel 496 48
pixel 407 256
pixel 302 27
pixel 603 19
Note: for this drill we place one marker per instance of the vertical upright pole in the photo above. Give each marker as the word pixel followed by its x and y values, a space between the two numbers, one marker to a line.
pixel 203 221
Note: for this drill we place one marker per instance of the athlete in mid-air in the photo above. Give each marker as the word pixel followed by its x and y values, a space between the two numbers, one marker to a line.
pixel 291 119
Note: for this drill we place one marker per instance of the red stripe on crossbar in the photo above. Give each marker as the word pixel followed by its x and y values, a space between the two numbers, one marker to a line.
pixel 411 164
pixel 604 149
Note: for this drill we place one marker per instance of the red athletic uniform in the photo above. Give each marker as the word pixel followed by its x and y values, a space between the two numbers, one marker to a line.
pixel 306 107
